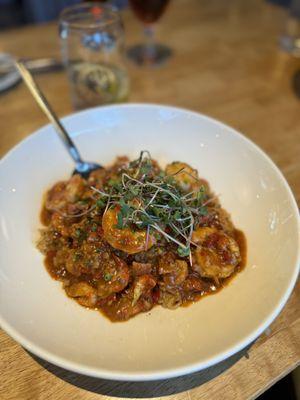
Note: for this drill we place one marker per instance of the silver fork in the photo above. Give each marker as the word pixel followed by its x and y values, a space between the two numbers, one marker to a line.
pixel 83 168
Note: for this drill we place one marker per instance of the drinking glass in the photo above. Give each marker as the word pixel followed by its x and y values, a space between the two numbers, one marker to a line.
pixel 92 44
pixel 290 40
pixel 149 52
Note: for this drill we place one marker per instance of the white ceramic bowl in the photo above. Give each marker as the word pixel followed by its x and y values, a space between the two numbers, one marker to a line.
pixel 163 343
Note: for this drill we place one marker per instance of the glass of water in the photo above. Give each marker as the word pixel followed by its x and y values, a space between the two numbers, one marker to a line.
pixel 92 43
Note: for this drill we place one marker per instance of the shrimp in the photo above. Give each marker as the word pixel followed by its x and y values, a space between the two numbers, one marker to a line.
pixel 85 294
pixel 135 299
pixel 124 308
pixel 124 239
pixel 174 270
pixel 170 299
pixel 138 269
pixel 142 285
pixel 186 177
pixel 193 284
pixel 64 193
pixel 218 254
pixel 115 277
pixel 60 225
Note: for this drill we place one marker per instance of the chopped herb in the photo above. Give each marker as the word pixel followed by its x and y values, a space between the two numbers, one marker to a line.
pixel 134 191
pixel 146 167
pixel 183 251
pixel 125 208
pixel 83 202
pixel 76 257
pixel 120 224
pixel 203 210
pixel 100 203
pixel 88 263
pixel 170 180
pixel 201 195
pixel 94 227
pixel 177 215
pixel 78 233
pixel 128 196
pixel 145 220
pixel 114 183
pixel 107 276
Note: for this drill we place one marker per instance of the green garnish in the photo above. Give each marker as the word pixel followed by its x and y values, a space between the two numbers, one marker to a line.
pixel 78 233
pixel 120 223
pixel 107 276
pixel 148 198
pixel 125 208
pixel 83 202
pixel 100 203
pixel 76 256
pixel 203 210
pixel 94 227
pixel 183 251
pixel 114 183
pixel 146 167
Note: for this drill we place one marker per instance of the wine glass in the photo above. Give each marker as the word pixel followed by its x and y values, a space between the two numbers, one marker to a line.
pixel 149 52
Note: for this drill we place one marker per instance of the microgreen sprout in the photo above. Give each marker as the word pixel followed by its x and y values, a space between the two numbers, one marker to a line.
pixel 149 199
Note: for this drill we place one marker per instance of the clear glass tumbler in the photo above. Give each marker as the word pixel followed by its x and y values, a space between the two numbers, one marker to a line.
pixel 92 44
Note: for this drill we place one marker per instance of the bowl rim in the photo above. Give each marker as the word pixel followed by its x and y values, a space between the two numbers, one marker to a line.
pixel 191 367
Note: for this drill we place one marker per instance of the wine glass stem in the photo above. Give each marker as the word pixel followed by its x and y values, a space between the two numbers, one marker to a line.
pixel 149 42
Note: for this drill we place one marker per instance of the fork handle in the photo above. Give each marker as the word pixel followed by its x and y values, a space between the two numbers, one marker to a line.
pixel 46 108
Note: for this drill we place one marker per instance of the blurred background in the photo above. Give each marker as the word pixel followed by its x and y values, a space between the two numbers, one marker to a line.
pixel 20 12
pixel 247 88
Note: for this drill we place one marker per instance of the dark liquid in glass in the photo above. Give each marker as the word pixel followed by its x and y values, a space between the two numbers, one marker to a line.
pixel 149 11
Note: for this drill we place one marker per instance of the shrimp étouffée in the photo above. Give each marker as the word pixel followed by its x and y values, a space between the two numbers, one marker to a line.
pixel 134 235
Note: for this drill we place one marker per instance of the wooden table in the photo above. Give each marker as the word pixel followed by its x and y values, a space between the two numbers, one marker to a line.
pixel 226 64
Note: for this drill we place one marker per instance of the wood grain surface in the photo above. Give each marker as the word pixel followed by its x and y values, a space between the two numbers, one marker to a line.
pixel 226 64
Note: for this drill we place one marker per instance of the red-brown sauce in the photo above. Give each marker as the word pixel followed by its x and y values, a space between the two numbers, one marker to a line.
pixel 80 252
pixel 210 288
